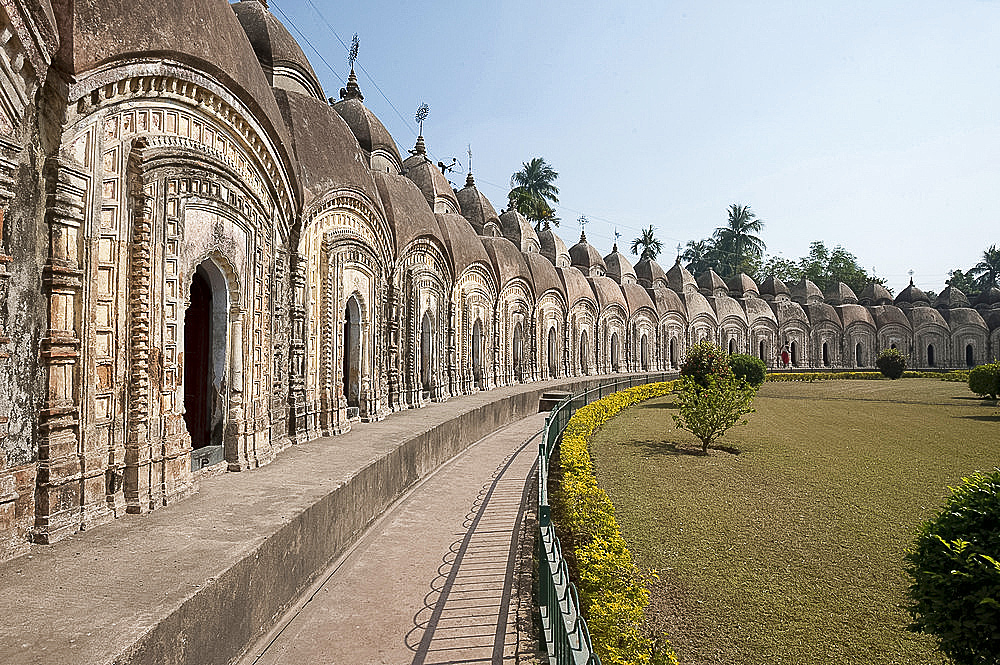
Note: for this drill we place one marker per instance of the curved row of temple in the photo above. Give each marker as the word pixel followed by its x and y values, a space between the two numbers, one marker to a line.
pixel 230 263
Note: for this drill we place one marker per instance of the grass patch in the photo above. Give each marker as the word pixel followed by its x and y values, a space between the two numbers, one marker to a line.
pixel 787 546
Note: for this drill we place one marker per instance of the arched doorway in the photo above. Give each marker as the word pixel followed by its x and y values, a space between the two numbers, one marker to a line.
pixel 930 355
pixel 794 349
pixel 732 346
pixel 644 353
pixel 826 355
pixel 584 352
pixel 552 353
pixel 760 350
pixel 614 352
pixel 205 331
pixel 970 359
pixel 426 351
pixel 858 358
pixel 518 352
pixel 352 356
pixel 477 353
pixel 673 352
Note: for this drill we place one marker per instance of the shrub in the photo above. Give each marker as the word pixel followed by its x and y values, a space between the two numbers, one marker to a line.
pixel 709 411
pixel 612 596
pixel 891 363
pixel 955 566
pixel 985 380
pixel 703 360
pixel 749 368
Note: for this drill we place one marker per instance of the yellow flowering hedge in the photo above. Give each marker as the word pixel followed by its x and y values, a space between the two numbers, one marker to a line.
pixel 956 375
pixel 613 597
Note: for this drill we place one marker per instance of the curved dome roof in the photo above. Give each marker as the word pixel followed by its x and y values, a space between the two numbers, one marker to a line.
pixel 805 291
pixel 576 286
pixel 280 56
pixel 478 210
pixel 772 288
pixel 543 274
pixel 585 256
pixel 405 210
pixel 787 311
pixel 740 285
pixel 875 294
pixel 840 294
pixel 757 309
pixel 963 316
pixel 993 320
pixel 667 301
pixel 316 132
pixel 618 266
pixel 887 315
pixel 925 316
pixel 680 279
pixel 711 284
pixel 951 297
pixel 462 242
pixel 371 134
pixel 608 293
pixel 697 305
pixel 429 179
pixel 989 298
pixel 728 308
pixel 649 273
pixel 508 261
pixel 821 312
pixel 852 314
pixel 203 34
pixel 637 297
pixel 553 248
pixel 516 228
pixel 911 296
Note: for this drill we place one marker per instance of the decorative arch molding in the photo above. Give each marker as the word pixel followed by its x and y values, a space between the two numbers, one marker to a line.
pixel 350 213
pixel 189 104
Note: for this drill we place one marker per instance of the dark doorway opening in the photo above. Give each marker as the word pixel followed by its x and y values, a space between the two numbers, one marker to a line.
pixel 732 346
pixel 425 355
pixel 352 357
pixel 826 355
pixel 673 352
pixel 930 355
pixel 518 352
pixel 614 352
pixel 644 353
pixel 584 367
pixel 552 352
pixel 204 365
pixel 477 353
pixel 970 359
pixel 795 354
pixel 858 358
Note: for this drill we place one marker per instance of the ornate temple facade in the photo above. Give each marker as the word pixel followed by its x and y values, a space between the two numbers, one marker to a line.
pixel 203 261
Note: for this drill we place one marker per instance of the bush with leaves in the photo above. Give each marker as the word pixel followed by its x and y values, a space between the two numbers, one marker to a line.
pixel 709 411
pixel 955 566
pixel 891 363
pixel 985 380
pixel 704 360
pixel 749 368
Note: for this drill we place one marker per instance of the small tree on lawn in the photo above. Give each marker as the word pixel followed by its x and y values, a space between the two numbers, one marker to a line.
pixel 891 363
pixel 709 411
pixel 955 566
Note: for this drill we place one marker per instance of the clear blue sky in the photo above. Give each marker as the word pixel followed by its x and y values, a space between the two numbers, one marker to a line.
pixel 874 125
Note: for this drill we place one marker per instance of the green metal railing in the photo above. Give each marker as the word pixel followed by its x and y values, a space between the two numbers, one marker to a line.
pixel 566 636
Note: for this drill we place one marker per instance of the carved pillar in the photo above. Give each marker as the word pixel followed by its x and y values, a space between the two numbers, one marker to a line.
pixel 453 383
pixel 63 473
pixel 395 389
pixel 297 352
pixel 236 442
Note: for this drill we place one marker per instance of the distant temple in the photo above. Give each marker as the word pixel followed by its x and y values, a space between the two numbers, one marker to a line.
pixel 203 261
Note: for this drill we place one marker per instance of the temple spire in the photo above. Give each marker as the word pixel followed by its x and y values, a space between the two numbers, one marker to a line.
pixel 353 90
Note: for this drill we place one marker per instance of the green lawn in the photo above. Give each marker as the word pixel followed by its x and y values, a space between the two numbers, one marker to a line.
pixel 787 546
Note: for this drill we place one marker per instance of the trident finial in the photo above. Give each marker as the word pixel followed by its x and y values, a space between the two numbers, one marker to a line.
pixel 352 54
pixel 422 111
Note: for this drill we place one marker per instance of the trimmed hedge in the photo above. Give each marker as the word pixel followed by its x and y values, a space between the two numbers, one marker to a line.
pixel 955 375
pixel 891 362
pixel 955 567
pixel 749 368
pixel 985 380
pixel 612 595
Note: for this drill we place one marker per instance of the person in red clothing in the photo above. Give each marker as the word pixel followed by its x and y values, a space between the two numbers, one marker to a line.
pixel 784 356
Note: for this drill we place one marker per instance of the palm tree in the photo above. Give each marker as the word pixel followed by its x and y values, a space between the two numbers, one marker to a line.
pixel 532 191
pixel 737 237
pixel 700 255
pixel 988 269
pixel 651 245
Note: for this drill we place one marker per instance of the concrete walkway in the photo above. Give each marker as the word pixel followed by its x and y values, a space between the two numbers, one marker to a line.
pixel 431 581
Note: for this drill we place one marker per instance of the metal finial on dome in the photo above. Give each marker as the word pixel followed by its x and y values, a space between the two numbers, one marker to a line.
pixel 469 180
pixel 352 91
pixel 420 148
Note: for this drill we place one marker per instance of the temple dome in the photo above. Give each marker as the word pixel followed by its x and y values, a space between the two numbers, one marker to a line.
pixel 988 299
pixel 711 284
pixel 650 274
pixel 875 294
pixel 429 179
pixel 840 294
pixel 619 268
pixel 478 210
pixel 805 291
pixel 516 228
pixel 553 248
pixel 951 298
pixel 742 285
pixel 371 134
pixel 911 296
pixel 680 278
pixel 585 256
pixel 773 288
pixel 279 55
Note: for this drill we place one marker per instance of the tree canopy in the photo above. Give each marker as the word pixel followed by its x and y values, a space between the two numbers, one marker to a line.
pixel 649 243
pixel 533 192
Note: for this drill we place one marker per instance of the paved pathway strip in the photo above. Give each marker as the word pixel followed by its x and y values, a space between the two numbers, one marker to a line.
pixel 430 582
